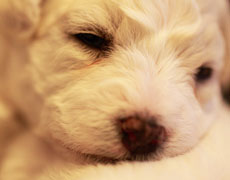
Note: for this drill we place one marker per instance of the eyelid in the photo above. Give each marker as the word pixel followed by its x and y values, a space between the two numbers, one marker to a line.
pixel 85 28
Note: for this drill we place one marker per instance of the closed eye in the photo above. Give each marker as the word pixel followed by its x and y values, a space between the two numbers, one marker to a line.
pixel 93 41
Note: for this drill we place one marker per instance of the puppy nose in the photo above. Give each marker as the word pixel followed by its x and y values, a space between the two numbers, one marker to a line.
pixel 141 136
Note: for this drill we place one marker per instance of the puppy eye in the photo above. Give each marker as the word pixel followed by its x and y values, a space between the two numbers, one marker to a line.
pixel 203 74
pixel 92 40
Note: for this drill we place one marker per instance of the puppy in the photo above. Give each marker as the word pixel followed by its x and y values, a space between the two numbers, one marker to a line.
pixel 107 81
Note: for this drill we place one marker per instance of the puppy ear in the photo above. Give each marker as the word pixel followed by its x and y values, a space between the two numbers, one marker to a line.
pixel 225 28
pixel 18 19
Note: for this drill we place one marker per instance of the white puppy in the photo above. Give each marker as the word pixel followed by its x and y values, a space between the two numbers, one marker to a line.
pixel 101 81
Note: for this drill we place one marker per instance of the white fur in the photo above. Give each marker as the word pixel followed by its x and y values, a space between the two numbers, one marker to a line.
pixel 72 96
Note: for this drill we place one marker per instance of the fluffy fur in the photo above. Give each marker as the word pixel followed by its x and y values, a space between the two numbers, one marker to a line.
pixel 70 96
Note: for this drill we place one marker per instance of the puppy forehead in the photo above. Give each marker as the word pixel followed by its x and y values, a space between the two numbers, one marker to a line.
pixel 106 13
pixel 148 14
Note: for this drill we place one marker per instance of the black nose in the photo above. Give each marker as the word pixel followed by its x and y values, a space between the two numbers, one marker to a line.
pixel 141 136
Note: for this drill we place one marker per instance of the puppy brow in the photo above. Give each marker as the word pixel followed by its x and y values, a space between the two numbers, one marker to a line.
pixel 72 24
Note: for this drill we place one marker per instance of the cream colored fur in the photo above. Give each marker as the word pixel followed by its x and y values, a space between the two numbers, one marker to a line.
pixel 71 96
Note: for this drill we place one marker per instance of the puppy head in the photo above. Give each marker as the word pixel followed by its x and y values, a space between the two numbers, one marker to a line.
pixel 112 74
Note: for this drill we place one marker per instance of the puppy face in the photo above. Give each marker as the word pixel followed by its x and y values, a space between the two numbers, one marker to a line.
pixel 98 64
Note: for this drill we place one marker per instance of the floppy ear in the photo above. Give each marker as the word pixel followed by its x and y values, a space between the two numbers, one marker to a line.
pixel 225 27
pixel 19 18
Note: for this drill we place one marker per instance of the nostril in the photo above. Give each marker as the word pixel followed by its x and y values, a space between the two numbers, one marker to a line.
pixel 141 136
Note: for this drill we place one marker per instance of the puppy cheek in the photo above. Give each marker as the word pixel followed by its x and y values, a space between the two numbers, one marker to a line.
pixel 83 121
pixel 208 96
